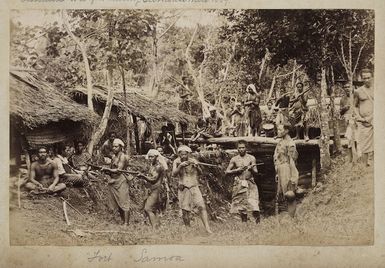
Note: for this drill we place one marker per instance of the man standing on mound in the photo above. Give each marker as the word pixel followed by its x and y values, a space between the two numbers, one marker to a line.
pixel 189 194
pixel 245 191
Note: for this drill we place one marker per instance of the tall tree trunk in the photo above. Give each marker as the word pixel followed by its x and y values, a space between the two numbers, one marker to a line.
pixel 334 113
pixel 97 135
pixel 325 132
pixel 197 82
pixel 83 50
pixel 154 80
pixel 293 75
pixel 127 114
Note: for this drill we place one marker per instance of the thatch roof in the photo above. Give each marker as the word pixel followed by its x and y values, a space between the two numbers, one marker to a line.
pixel 34 102
pixel 140 105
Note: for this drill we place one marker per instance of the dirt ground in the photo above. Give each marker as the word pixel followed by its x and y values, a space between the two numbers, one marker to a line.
pixel 339 211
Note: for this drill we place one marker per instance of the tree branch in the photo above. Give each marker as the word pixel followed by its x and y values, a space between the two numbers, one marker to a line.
pixel 169 27
pixel 296 69
pixel 350 50
pixel 343 56
pixel 83 50
pixel 358 57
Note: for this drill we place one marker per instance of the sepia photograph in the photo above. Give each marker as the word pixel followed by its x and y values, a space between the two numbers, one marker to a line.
pixel 223 127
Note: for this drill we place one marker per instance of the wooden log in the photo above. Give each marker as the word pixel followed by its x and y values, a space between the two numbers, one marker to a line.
pixel 266 141
pixel 314 172
pixel 252 140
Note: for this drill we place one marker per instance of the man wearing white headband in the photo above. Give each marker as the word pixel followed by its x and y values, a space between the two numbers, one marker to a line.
pixel 189 194
pixel 118 185
pixel 155 179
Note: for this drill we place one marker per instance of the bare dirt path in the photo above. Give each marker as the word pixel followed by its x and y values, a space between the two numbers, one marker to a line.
pixel 338 212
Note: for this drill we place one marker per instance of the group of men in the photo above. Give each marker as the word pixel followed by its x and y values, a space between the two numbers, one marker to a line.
pixel 247 118
pixel 52 171
pixel 48 173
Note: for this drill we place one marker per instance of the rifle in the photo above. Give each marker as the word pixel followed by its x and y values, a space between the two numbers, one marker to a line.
pixel 297 98
pixel 118 170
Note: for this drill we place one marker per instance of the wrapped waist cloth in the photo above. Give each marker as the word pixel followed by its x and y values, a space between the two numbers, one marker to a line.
pixel 244 196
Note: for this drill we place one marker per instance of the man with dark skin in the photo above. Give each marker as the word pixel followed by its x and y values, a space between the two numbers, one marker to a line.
pixel 107 145
pixel 299 111
pixel 252 110
pixel 80 158
pixel 117 182
pixel 155 178
pixel 44 174
pixel 363 109
pixel 189 194
pixel 245 192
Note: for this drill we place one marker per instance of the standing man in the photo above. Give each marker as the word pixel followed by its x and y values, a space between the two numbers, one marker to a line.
pixel 253 111
pixel 245 196
pixel 213 123
pixel 167 141
pixel 285 156
pixel 44 174
pixel 189 194
pixel 237 120
pixel 155 179
pixel 299 111
pixel 117 182
pixel 363 104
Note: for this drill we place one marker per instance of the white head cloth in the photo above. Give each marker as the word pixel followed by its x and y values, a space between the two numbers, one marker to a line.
pixel 118 142
pixel 252 87
pixel 152 152
pixel 184 148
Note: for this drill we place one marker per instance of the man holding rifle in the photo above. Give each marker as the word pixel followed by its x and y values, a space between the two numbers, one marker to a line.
pixel 118 185
pixel 155 179
pixel 189 194
pixel 245 191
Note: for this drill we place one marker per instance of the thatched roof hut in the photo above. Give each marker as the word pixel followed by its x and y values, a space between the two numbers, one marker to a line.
pixel 139 105
pixel 34 103
pixel 41 115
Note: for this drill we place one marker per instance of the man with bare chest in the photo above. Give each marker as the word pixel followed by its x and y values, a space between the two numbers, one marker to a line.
pixel 187 169
pixel 44 174
pixel 363 102
pixel 245 192
pixel 155 178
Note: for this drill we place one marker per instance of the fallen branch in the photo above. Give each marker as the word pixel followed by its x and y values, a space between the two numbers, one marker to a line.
pixel 88 196
pixel 71 206
pixel 65 212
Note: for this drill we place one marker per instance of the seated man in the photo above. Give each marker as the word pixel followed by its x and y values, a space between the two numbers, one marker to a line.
pixel 44 174
pixel 67 175
pixel 81 158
